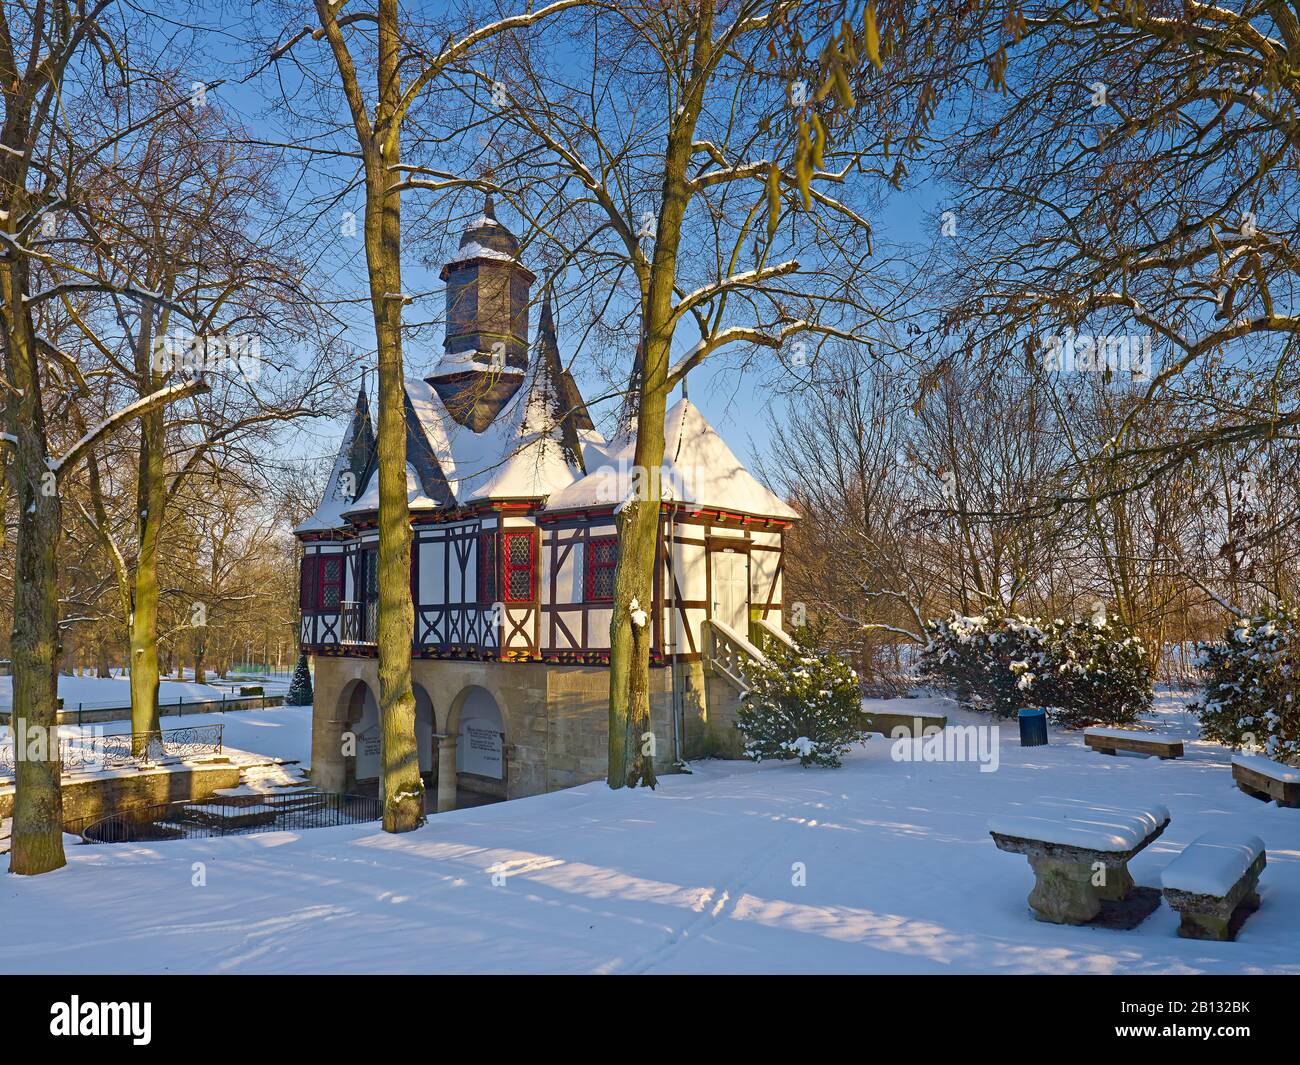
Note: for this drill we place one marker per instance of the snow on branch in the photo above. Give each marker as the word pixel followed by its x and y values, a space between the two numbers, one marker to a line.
pixel 132 410
pixel 737 333
pixel 734 334
pixel 748 278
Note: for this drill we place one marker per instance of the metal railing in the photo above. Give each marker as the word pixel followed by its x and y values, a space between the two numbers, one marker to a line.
pixel 201 818
pixel 84 754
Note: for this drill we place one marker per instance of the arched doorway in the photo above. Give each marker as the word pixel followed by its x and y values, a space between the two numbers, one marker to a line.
pixel 476 733
pixel 363 721
pixel 425 727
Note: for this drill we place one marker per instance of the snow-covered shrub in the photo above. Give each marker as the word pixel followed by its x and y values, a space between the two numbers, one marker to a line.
pixel 802 703
pixel 992 660
pixel 1100 672
pixel 1252 684
pixel 300 688
pixel 1081 671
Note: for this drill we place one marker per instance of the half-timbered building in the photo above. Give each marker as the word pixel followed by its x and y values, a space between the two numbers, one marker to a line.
pixel 513 500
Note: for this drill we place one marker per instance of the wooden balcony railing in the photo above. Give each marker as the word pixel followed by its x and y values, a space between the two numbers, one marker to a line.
pixel 359 622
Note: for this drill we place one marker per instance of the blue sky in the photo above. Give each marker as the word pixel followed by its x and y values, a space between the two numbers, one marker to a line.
pixel 739 405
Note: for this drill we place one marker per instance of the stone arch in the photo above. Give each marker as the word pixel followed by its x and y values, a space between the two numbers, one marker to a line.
pixel 426 728
pixel 472 747
pixel 361 717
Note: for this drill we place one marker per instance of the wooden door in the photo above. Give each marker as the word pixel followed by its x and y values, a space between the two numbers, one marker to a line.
pixel 731 590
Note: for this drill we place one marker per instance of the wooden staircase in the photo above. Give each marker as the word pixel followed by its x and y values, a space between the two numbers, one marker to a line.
pixel 730 655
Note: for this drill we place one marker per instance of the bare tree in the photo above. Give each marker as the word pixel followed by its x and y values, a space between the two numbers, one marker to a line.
pixel 40 171
pixel 401 71
pixel 703 169
pixel 183 211
pixel 1132 187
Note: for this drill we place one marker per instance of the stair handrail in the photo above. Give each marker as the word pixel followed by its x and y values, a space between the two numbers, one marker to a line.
pixel 776 632
pixel 728 652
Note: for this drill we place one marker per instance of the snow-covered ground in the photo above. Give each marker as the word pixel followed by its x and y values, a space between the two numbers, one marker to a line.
pixel 257 740
pixel 116 690
pixel 282 732
pixel 701 876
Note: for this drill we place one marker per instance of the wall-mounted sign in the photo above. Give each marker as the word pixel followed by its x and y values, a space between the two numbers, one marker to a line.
pixel 368 765
pixel 479 748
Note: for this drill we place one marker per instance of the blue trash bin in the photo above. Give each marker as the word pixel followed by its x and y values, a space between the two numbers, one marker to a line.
pixel 1033 727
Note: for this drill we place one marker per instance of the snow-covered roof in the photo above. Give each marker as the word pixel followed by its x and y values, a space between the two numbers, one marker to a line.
pixel 518 456
pixel 474 250
pixel 415 497
pixel 345 477
pixel 699 468
pixel 461 361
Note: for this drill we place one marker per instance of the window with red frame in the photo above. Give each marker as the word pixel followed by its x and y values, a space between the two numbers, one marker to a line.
pixel 322 582
pixel 602 558
pixel 487 568
pixel 331 581
pixel 518 559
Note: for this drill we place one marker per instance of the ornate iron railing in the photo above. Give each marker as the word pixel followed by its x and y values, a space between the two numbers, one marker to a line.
pixel 199 819
pixel 83 754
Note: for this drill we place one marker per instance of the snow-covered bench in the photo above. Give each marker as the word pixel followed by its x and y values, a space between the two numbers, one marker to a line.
pixel 1079 852
pixel 915 725
pixel 1266 779
pixel 1213 884
pixel 1111 740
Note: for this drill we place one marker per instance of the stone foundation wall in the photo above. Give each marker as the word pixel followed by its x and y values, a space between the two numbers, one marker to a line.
pixel 711 729
pixel 555 717
pixel 127 789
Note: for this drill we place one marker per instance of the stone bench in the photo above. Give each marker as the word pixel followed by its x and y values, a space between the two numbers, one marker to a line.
pixel 1079 852
pixel 915 726
pixel 1112 740
pixel 1263 778
pixel 1213 883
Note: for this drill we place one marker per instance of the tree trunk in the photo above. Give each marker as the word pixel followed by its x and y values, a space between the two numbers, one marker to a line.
pixel 403 790
pixel 631 733
pixel 69 655
pixel 37 835
pixel 150 504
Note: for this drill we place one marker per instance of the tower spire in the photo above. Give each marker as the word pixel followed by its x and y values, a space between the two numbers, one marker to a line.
pixel 551 384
